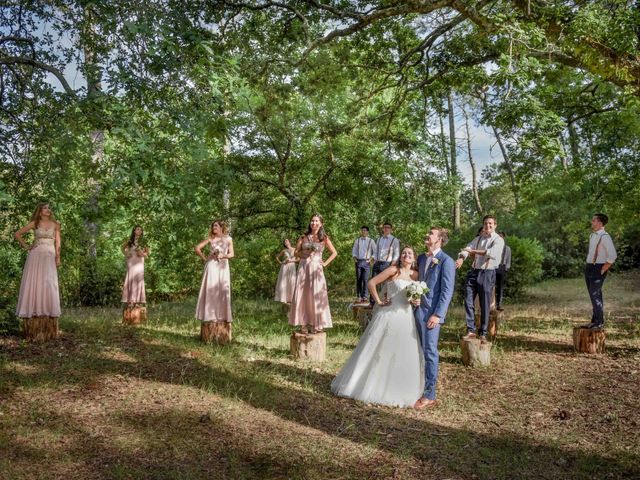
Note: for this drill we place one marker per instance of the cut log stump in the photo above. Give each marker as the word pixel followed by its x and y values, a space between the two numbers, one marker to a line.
pixel 310 346
pixel 495 318
pixel 40 329
pixel 362 313
pixel 475 353
pixel 587 340
pixel 134 315
pixel 218 332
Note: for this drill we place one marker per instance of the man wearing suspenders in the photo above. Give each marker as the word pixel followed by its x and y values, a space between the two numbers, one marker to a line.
pixel 486 249
pixel 600 257
pixel 387 251
pixel 363 253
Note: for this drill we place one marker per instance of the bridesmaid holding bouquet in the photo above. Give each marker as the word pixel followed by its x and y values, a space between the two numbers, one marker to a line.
pixel 134 297
pixel 310 305
pixel 214 300
pixel 39 298
pixel 286 284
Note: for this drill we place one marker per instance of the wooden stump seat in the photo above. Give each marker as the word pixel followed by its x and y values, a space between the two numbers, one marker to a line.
pixel 40 329
pixel 475 353
pixel 309 346
pixel 587 340
pixel 362 313
pixel 495 318
pixel 218 332
pixel 134 315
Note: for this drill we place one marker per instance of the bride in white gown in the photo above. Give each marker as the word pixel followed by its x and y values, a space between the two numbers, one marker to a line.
pixel 387 366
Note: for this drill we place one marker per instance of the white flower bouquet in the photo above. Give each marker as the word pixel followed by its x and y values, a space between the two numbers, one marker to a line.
pixel 416 289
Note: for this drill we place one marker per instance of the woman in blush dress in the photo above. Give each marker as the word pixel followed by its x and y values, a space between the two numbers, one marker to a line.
pixel 387 366
pixel 286 284
pixel 310 304
pixel 135 250
pixel 214 300
pixel 39 298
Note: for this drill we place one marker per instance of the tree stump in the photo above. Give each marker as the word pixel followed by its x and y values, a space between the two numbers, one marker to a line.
pixel 495 318
pixel 587 340
pixel 475 353
pixel 134 315
pixel 40 329
pixel 310 346
pixel 218 332
pixel 362 313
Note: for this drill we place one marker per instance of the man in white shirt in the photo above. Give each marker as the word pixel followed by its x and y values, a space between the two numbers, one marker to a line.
pixel 363 253
pixel 600 257
pixel 486 249
pixel 387 251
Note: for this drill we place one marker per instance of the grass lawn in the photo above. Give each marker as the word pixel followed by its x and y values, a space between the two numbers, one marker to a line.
pixel 108 401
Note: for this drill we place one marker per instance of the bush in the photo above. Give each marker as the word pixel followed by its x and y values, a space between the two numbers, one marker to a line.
pixel 11 260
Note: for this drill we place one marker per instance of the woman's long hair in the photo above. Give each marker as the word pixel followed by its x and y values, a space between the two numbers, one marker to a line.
pixel 321 232
pixel 38 211
pixel 223 227
pixel 132 238
pixel 414 264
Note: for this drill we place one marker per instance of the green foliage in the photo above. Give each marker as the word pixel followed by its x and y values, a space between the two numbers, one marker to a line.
pixel 526 264
pixel 11 260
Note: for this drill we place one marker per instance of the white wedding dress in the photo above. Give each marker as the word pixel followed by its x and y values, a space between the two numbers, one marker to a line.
pixel 387 366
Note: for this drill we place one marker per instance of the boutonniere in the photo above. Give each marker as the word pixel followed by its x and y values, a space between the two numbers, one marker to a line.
pixel 434 262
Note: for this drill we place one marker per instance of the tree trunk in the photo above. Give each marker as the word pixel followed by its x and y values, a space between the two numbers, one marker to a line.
pixel 312 346
pixel 40 329
pixel 97 138
pixel 586 340
pixel 505 155
pixel 454 165
pixel 574 144
pixel 475 353
pixel 472 163
pixel 216 332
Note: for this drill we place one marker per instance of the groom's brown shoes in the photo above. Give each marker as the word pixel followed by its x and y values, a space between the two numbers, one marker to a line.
pixel 423 403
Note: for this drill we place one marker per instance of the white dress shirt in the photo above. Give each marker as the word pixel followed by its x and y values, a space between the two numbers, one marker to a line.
pixel 388 249
pixel 364 248
pixel 493 244
pixel 606 251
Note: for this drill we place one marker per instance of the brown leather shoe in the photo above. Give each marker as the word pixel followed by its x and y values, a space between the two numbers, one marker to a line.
pixel 423 403
pixel 469 336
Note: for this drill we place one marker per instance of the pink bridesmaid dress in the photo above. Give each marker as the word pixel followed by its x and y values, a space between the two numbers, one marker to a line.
pixel 214 300
pixel 133 291
pixel 310 305
pixel 39 295
pixel 286 284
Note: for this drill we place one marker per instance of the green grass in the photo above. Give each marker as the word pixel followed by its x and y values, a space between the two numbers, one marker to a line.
pixel 108 401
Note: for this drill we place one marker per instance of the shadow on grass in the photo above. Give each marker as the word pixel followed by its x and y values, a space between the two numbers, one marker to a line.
pixel 306 403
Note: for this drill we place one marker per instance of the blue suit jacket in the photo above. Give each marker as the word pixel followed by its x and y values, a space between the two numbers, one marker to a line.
pixel 441 280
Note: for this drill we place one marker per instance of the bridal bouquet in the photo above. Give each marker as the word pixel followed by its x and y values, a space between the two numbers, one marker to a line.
pixel 416 289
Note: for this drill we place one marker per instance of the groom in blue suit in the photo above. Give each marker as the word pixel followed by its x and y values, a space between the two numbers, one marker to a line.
pixel 438 271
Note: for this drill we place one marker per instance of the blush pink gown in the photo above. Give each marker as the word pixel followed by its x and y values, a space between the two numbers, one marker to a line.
pixel 310 305
pixel 133 290
pixel 214 300
pixel 39 295
pixel 286 284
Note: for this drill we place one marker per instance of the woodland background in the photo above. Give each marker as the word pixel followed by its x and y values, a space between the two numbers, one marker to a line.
pixel 169 114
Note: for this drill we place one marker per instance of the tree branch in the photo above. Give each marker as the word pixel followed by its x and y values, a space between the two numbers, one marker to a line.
pixel 16 60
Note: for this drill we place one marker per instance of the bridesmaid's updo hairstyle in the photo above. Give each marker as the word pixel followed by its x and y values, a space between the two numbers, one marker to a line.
pixel 132 238
pixel 38 212
pixel 321 233
pixel 223 227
